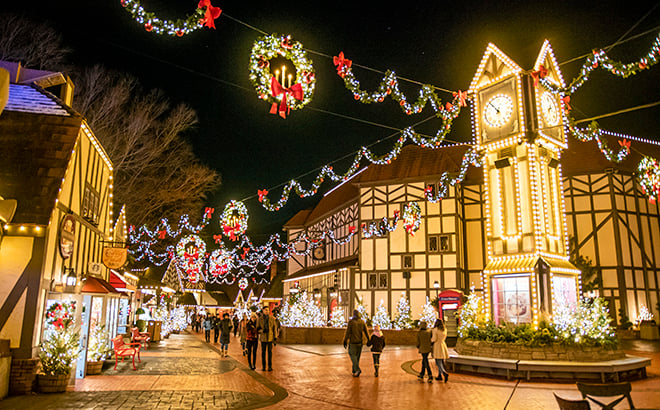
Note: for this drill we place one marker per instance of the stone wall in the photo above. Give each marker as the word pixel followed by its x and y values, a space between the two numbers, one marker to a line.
pixel 332 335
pixel 554 352
pixel 22 375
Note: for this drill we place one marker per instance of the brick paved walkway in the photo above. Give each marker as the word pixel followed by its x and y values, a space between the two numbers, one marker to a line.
pixel 183 372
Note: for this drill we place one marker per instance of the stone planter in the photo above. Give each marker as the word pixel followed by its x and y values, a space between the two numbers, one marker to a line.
pixel 555 352
pixel 95 367
pixel 52 383
pixel 332 335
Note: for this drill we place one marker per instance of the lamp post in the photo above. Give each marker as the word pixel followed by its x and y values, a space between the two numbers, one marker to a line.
pixel 436 285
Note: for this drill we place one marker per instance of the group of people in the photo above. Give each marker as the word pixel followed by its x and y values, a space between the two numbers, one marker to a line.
pixel 428 342
pixel 260 327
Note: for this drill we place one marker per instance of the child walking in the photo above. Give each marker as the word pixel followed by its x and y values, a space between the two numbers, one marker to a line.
pixel 377 343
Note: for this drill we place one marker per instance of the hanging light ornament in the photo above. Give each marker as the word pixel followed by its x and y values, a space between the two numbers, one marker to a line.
pixel 234 220
pixel 412 217
pixel 191 253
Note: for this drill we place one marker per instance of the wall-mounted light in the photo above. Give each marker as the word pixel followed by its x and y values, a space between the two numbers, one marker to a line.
pixel 71 278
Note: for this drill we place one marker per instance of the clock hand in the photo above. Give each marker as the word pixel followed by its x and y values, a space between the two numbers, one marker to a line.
pixel 493 105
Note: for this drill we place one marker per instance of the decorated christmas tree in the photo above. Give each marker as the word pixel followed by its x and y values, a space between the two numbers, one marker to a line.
pixel 337 318
pixel 362 310
pixel 98 349
pixel 471 314
pixel 429 314
pixel 61 343
pixel 402 320
pixel 300 310
pixel 590 322
pixel 382 317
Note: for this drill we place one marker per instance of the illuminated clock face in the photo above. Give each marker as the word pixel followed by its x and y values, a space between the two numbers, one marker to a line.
pixel 319 253
pixel 498 110
pixel 549 109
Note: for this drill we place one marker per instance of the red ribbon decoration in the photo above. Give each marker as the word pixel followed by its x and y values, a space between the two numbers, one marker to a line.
pixel 211 13
pixel 276 89
pixel 462 96
pixel 566 101
pixel 541 73
pixel 208 212
pixel 217 238
pixel 262 193
pixel 161 234
pixel 341 62
pixel 351 229
pixel 625 143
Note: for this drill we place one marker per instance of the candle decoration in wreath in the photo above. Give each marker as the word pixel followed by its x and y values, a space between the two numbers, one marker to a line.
pixel 191 252
pixel 283 92
pixel 412 217
pixel 234 219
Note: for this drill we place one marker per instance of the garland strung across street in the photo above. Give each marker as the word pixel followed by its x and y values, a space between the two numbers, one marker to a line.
pixel 203 16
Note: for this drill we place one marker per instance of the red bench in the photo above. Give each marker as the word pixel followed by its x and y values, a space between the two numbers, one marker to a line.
pixel 140 337
pixel 123 349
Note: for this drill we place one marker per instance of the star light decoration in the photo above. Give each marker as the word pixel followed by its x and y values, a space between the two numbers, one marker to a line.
pixel 203 16
pixel 283 97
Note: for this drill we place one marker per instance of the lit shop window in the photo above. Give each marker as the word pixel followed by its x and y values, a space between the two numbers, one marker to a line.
pixel 511 302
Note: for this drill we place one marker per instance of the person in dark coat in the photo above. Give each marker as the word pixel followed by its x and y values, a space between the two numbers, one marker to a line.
pixel 268 332
pixel 377 343
pixel 225 331
pixel 252 340
pixel 353 340
pixel 424 346
pixel 216 327
pixel 235 322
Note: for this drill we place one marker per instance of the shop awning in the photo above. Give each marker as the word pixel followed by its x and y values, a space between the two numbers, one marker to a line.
pixel 97 285
pixel 527 264
pixel 118 282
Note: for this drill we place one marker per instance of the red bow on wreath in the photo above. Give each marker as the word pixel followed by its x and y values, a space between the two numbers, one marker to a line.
pixel 340 62
pixel 541 73
pixel 211 13
pixel 276 89
pixel 262 193
pixel 462 96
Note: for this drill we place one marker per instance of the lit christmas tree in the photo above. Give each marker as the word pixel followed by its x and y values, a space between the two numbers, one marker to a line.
pixel 429 314
pixel 300 310
pixel 644 315
pixel 402 320
pixel 588 322
pixel 98 348
pixel 337 318
pixel 242 309
pixel 362 310
pixel 178 319
pixel 471 314
pixel 382 317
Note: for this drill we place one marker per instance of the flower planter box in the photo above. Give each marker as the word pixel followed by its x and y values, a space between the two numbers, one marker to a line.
pixel 335 335
pixel 95 367
pixel 555 352
pixel 52 383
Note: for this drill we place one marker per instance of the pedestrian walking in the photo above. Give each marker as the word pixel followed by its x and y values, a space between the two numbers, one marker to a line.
pixel 225 331
pixel 207 328
pixel 242 332
pixel 235 323
pixel 440 351
pixel 268 332
pixel 424 348
pixel 353 340
pixel 377 343
pixel 252 340
pixel 216 327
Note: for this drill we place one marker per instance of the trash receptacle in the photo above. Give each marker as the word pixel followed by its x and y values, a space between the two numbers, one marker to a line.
pixel 153 328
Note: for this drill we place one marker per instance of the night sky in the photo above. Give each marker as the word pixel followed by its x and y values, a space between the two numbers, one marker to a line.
pixel 430 42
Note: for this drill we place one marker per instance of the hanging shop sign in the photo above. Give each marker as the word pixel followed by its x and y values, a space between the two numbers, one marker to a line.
pixel 67 236
pixel 114 258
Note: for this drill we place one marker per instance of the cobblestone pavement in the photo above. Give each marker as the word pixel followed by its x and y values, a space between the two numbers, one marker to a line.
pixel 184 372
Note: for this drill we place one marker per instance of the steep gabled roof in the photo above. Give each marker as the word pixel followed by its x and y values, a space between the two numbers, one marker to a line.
pixel 37 136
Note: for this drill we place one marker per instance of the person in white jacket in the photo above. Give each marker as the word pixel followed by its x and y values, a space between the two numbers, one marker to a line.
pixel 440 352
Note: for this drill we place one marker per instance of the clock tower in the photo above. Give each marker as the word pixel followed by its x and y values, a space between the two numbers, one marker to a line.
pixel 519 128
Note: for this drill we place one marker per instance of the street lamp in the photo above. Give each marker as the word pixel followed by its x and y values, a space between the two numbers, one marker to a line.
pixel 436 285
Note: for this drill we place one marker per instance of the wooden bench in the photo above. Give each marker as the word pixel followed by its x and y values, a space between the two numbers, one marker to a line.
pixel 550 366
pixel 123 349
pixel 484 362
pixel 140 337
pixel 606 390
